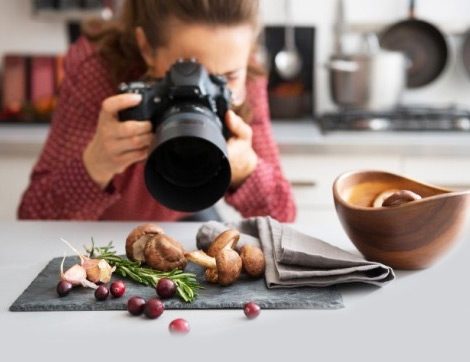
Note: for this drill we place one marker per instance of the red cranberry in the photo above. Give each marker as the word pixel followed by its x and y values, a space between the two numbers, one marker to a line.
pixel 166 288
pixel 101 293
pixel 63 288
pixel 136 305
pixel 179 326
pixel 118 288
pixel 154 308
pixel 252 310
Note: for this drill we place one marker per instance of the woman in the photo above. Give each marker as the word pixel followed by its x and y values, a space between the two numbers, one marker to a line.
pixel 92 165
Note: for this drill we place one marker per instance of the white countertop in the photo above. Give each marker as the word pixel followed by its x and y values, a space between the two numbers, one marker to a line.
pixel 421 315
pixel 295 137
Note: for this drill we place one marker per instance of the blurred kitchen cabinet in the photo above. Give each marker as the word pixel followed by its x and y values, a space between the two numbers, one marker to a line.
pixel 451 171
pixel 15 170
pixel 312 176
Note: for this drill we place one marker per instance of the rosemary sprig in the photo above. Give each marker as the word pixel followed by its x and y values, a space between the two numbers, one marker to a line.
pixel 186 283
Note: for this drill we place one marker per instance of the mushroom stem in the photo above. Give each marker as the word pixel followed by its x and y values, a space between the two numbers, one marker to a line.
pixel 224 269
pixel 201 258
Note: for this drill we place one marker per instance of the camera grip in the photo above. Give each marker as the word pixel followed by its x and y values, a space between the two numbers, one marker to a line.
pixel 134 113
pixel 140 112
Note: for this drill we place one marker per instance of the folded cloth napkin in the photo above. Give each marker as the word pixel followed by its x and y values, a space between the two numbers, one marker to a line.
pixel 294 259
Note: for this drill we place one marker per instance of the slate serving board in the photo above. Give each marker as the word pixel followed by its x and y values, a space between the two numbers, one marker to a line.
pixel 41 295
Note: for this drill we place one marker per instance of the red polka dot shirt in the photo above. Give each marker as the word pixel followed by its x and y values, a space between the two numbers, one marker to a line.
pixel 60 187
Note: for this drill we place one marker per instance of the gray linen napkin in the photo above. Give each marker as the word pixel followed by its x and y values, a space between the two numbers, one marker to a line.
pixel 295 259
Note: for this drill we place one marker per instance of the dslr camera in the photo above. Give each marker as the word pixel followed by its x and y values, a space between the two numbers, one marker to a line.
pixel 188 168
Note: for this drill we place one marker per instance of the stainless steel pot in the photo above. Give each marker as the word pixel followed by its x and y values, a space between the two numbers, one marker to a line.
pixel 371 80
pixel 349 80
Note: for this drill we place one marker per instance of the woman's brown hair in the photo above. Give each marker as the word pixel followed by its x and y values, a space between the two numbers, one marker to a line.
pixel 116 41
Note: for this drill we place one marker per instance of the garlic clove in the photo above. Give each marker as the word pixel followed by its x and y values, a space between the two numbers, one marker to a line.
pixel 98 270
pixel 106 271
pixel 75 275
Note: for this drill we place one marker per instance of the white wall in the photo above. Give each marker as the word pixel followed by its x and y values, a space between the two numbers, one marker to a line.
pixel 20 32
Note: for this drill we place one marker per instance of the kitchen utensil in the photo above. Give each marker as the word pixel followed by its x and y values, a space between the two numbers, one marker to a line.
pixel 424 45
pixel 339 28
pixel 372 79
pixel 349 80
pixel 288 61
pixel 410 236
pixel 387 76
pixel 41 295
pixel 466 51
pixel 348 74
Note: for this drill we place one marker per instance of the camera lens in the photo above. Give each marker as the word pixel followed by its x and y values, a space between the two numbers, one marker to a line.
pixel 188 169
pixel 189 161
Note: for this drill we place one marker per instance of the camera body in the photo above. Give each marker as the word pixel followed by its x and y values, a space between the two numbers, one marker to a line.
pixel 187 84
pixel 188 168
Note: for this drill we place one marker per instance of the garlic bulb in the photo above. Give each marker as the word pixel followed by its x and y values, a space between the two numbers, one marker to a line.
pixel 88 272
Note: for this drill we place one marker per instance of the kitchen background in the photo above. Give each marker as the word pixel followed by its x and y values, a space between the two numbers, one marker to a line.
pixel 438 157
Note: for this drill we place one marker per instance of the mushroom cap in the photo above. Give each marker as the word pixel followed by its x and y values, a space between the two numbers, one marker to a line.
pixel 401 197
pixel 229 266
pixel 211 275
pixel 164 253
pixel 380 198
pixel 252 260
pixel 227 239
pixel 137 238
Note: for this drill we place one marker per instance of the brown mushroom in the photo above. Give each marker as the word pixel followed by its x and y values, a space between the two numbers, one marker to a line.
pixel 164 253
pixel 379 200
pixel 211 275
pixel 227 239
pixel 137 238
pixel 252 260
pixel 229 266
pixel 224 269
pixel 401 197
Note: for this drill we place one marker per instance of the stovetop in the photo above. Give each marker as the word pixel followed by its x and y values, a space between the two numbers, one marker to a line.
pixel 415 118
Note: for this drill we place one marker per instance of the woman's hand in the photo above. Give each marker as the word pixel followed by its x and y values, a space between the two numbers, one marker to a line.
pixel 242 157
pixel 116 145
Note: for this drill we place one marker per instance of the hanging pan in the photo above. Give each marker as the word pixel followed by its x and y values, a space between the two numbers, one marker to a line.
pixel 423 44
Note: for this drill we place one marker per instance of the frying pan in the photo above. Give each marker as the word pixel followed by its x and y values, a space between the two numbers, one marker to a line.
pixel 424 45
pixel 466 51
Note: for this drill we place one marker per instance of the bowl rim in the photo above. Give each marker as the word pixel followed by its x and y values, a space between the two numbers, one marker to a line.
pixel 346 174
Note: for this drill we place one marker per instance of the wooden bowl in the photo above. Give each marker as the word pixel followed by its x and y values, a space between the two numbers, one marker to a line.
pixel 410 236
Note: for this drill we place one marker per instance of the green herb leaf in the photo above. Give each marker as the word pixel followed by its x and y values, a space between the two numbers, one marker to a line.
pixel 186 283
